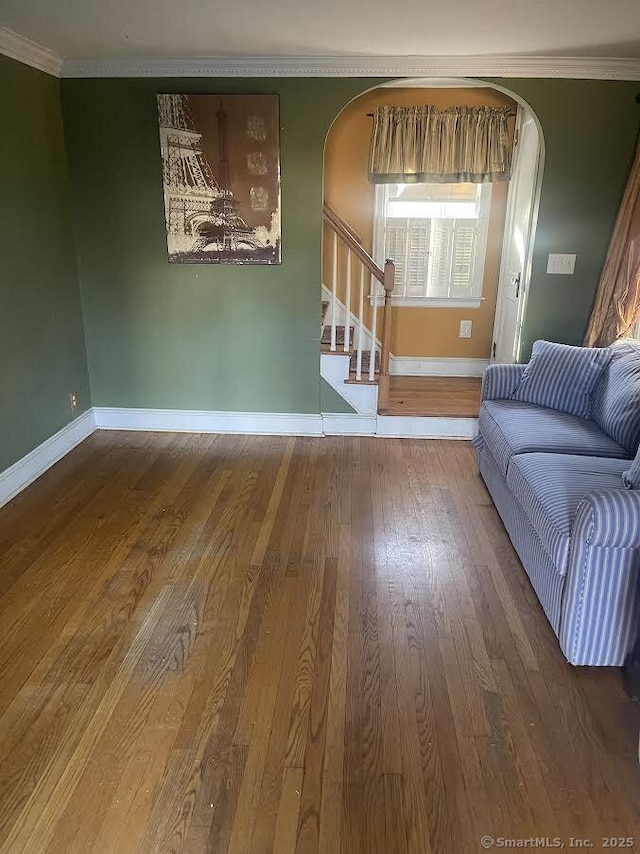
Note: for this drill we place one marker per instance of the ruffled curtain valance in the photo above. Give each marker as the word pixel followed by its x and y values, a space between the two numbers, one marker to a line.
pixel 412 145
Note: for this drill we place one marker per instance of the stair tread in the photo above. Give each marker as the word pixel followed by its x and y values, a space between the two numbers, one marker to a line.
pixel 366 361
pixel 339 351
pixel 364 381
pixel 326 334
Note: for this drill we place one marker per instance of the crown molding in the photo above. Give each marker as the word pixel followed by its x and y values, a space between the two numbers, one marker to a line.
pixel 30 53
pixel 587 68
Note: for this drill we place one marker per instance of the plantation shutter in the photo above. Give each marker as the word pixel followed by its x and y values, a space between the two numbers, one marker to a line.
pixel 464 250
pixel 418 257
pixel 395 246
pixel 440 258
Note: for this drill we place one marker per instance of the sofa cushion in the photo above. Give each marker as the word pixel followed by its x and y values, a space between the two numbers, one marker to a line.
pixel 616 403
pixel 562 377
pixel 509 427
pixel 549 488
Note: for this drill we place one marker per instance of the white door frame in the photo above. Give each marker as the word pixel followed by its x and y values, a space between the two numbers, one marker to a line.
pixel 525 278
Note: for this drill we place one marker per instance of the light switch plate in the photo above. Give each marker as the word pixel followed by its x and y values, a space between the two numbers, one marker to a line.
pixel 563 265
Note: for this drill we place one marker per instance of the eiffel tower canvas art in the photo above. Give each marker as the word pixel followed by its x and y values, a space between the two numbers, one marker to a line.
pixel 221 178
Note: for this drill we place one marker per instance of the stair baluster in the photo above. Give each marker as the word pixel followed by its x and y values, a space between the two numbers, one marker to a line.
pixel 360 324
pixel 347 305
pixel 334 292
pixel 374 324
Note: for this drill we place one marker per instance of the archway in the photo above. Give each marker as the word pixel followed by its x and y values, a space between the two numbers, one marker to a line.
pixel 425 335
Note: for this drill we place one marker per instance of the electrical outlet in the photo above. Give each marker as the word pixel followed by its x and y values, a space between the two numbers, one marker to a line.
pixel 465 329
pixel 73 400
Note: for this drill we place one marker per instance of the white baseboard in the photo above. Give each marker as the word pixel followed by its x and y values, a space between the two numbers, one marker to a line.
pixel 399 426
pixel 22 473
pixel 195 421
pixel 349 424
pixel 282 423
pixel 18 476
pixel 426 366
pixel 423 427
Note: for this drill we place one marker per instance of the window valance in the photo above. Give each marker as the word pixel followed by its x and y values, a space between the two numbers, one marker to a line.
pixel 412 145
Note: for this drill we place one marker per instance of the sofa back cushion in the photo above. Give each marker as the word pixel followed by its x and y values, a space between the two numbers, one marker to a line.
pixel 616 403
pixel 562 377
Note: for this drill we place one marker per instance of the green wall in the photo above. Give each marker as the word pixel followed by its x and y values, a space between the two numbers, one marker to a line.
pixel 42 351
pixel 246 338
pixel 330 400
pixel 183 336
pixel 238 338
pixel 590 130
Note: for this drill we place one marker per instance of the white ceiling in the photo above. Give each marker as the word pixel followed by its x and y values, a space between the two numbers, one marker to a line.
pixel 126 29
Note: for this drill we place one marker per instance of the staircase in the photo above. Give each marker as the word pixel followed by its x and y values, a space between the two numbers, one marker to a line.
pixel 356 305
pixel 355 335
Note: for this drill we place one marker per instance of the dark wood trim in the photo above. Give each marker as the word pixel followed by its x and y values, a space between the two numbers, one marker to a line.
pixel 351 239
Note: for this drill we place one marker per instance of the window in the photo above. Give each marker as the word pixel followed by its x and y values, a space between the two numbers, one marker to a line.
pixel 436 234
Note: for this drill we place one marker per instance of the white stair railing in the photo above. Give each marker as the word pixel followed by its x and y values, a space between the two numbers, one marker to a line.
pixel 348 306
pixel 344 239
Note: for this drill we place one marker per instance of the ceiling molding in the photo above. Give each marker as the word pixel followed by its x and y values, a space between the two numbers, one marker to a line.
pixel 587 68
pixel 31 53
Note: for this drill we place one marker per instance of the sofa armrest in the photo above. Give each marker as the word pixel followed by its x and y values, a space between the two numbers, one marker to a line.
pixel 600 619
pixel 609 518
pixel 500 381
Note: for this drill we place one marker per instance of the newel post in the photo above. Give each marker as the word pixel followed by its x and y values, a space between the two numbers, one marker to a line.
pixel 383 380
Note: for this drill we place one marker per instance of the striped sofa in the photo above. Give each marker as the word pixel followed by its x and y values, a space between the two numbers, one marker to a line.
pixel 556 480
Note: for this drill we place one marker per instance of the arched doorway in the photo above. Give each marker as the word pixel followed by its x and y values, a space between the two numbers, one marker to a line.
pixel 427 326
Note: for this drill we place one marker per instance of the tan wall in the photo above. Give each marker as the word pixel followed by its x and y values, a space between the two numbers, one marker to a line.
pixel 416 331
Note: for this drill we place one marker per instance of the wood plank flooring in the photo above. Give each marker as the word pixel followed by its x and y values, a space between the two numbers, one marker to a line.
pixel 254 644
pixel 451 397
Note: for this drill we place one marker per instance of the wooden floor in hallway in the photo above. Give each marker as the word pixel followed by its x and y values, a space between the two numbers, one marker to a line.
pixel 450 397
pixel 253 644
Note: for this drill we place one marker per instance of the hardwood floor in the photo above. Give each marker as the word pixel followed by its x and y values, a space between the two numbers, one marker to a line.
pixel 452 397
pixel 239 644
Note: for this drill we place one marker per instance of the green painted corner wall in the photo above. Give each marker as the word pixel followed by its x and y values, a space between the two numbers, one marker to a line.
pixel 246 338
pixel 331 401
pixel 42 349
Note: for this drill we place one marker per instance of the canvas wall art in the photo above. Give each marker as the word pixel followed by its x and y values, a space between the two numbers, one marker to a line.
pixel 221 178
